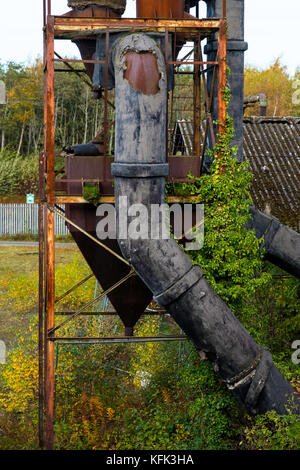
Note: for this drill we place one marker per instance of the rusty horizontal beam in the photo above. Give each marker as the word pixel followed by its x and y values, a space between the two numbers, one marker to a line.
pixel 107 313
pixel 80 61
pixel 79 180
pixel 69 71
pixel 111 199
pixel 94 61
pixel 197 62
pixel 92 25
pixel 117 339
pixel 209 23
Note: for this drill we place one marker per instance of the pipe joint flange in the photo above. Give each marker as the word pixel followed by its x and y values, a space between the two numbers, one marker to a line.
pixel 258 372
pixel 259 381
pixel 180 286
pixel 139 170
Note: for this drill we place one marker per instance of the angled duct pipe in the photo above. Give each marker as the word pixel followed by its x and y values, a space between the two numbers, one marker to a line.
pixel 282 244
pixel 140 171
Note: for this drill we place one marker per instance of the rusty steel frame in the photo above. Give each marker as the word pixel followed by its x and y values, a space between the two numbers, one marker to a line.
pixel 80 283
pixel 89 304
pixel 71 69
pixel 107 314
pixel 56 27
pixel 117 339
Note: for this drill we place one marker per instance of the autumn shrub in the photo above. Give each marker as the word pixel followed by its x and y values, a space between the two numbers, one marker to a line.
pixel 273 432
pixel 185 406
pixel 19 393
pixel 18 174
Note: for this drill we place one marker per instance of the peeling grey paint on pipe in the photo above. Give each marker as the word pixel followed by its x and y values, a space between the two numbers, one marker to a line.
pixel 164 267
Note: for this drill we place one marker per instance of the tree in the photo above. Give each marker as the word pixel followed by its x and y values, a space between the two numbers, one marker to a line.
pixel 276 83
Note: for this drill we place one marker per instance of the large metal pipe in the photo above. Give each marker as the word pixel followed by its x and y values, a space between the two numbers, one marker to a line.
pixel 236 47
pixel 140 171
pixel 160 9
pixel 282 244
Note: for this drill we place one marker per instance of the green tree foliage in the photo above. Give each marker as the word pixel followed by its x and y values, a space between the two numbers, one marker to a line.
pixel 18 174
pixel 230 257
pixel 78 116
pixel 21 120
pixel 276 83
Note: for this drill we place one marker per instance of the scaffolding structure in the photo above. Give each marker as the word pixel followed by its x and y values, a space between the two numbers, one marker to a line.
pixel 192 64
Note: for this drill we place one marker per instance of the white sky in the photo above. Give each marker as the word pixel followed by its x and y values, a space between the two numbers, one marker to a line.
pixel 271 30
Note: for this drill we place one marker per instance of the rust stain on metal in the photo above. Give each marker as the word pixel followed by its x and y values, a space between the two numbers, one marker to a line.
pixel 142 72
pixel 159 9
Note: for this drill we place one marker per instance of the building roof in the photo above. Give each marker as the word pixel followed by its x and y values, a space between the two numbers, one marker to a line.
pixel 272 146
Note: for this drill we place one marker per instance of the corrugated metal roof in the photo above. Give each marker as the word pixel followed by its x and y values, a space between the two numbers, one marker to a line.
pixel 272 146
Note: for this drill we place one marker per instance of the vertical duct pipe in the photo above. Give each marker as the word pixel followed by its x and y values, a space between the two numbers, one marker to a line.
pixel 236 47
pixel 139 172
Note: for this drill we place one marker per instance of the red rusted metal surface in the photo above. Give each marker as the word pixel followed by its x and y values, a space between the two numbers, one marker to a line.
pixel 69 28
pixel 50 258
pixel 160 9
pixel 180 167
pixel 41 300
pixel 222 82
pixel 142 72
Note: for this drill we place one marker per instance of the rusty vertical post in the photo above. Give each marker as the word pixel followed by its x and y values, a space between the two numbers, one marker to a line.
pixel 197 100
pixel 50 268
pixel 41 300
pixel 224 9
pixel 42 247
pixel 167 97
pixel 222 78
pixel 106 90
pixel 207 102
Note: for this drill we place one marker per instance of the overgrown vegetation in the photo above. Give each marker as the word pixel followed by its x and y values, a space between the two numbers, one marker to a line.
pixel 91 193
pixel 157 396
pixel 18 175
pixel 146 396
pixel 153 396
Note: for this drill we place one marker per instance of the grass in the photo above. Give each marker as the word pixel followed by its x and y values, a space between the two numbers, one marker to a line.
pixel 20 237
pixel 19 277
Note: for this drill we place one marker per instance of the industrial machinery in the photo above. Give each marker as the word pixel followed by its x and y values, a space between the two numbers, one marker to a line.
pixel 141 61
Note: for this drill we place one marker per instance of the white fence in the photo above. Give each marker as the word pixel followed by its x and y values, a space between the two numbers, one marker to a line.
pixel 18 219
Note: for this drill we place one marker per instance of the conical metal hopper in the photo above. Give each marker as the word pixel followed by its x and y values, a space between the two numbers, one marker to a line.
pixel 132 297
